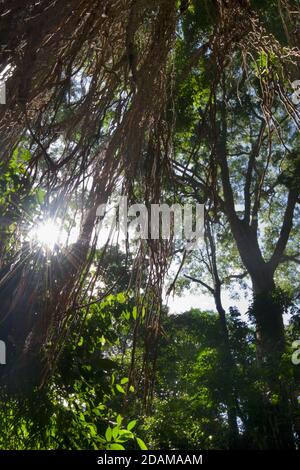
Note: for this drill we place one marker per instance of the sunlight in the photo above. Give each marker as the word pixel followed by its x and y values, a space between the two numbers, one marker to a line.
pixel 47 234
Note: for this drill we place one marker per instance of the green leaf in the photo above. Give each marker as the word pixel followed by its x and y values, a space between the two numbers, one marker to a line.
pixel 119 420
pixel 126 315
pixel 121 298
pixel 124 433
pixel 120 388
pixel 131 425
pixel 134 313
pixel 102 340
pixel 93 429
pixel 115 433
pixel 108 434
pixel 125 380
pixel 116 447
pixel 141 444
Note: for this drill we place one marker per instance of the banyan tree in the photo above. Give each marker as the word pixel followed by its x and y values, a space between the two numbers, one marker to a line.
pixel 91 111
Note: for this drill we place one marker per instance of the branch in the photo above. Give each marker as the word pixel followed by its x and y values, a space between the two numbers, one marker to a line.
pixel 294 258
pixel 225 175
pixel 194 279
pixel 248 181
pixel 285 231
pixel 236 276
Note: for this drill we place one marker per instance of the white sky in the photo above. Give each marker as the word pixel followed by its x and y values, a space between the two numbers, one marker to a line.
pixel 183 303
pixel 180 304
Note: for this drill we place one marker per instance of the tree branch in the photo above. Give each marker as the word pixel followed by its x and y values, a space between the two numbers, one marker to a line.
pixel 285 231
pixel 194 279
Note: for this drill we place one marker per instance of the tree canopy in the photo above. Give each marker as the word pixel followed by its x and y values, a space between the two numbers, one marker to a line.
pixel 161 102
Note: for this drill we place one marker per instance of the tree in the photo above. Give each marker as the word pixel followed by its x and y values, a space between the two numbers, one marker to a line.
pixel 152 99
pixel 229 153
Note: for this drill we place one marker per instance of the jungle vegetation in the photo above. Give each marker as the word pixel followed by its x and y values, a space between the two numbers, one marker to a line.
pixel 161 101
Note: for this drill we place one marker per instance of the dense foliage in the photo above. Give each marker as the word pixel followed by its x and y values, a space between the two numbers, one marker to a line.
pixel 161 101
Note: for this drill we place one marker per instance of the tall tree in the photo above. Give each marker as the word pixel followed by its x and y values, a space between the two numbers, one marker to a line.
pixel 235 156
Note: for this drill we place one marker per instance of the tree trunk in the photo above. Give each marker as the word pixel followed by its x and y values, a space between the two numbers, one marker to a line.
pixel 226 356
pixel 228 365
pixel 267 310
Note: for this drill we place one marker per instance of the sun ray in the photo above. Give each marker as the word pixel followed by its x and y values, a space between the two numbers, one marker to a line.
pixel 47 234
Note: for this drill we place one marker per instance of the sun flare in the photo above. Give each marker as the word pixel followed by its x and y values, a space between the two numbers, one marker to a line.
pixel 47 234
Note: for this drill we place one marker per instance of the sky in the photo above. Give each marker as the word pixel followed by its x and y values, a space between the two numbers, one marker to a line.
pixel 188 300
